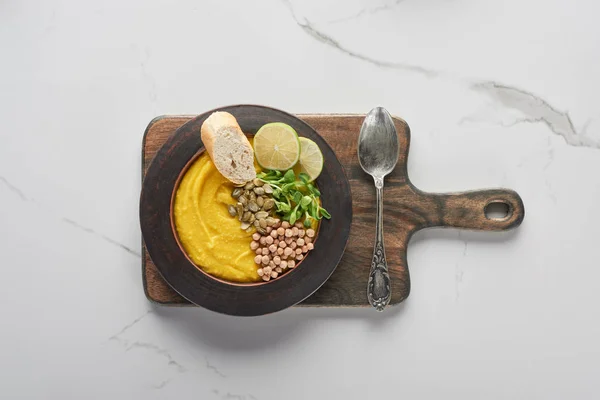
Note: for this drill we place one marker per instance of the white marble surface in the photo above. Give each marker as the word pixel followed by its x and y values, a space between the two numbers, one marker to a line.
pixel 496 94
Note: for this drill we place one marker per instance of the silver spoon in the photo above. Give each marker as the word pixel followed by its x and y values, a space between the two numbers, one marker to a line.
pixel 378 154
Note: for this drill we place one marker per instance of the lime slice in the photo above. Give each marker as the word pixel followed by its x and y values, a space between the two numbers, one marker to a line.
pixel 311 158
pixel 276 146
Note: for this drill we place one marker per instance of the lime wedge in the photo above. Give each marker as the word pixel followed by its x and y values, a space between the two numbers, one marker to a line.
pixel 276 146
pixel 311 158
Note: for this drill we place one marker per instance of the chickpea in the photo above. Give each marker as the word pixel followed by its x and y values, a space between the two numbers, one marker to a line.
pixel 282 237
pixel 260 272
pixel 259 252
pixel 284 264
pixel 298 250
pixel 310 233
pixel 278 270
pixel 299 257
pixel 266 277
pixel 256 236
pixel 269 229
pixel 272 248
pixel 269 240
pixel 295 231
pixel 265 260
pixel 263 240
pixel 310 246
pixel 305 249
pixel 307 239
pixel 300 242
pixel 265 251
pixel 293 245
pixel 277 260
pixel 272 264
pixel 287 252
pixel 276 242
pixel 280 231
pixel 274 234
pixel 267 270
pixel 282 244
pixel 274 274
pixel 285 224
pixel 291 264
pixel 280 251
pixel 254 245
pixel 288 233
pixel 301 233
pixel 258 259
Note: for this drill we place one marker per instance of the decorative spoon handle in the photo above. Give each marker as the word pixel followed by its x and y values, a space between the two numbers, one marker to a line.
pixel 379 291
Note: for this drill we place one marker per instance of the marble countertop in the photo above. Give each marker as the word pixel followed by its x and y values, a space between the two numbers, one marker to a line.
pixel 496 94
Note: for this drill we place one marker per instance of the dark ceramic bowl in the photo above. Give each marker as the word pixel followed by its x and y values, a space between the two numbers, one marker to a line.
pixel 218 295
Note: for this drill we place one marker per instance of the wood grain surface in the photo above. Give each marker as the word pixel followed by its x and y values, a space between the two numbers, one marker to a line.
pixel 406 210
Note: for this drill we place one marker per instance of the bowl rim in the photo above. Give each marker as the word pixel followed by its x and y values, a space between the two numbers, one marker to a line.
pixel 196 286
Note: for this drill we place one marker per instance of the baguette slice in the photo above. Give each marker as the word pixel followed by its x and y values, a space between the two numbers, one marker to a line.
pixel 228 147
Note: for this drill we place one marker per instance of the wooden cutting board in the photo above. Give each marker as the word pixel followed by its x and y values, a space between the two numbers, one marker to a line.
pixel 406 210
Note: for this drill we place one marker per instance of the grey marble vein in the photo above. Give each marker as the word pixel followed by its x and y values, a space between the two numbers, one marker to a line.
pixel 366 11
pixel 535 110
pixel 162 384
pixel 158 350
pixel 214 369
pixel 458 271
pixel 66 220
pixel 311 30
pixel 130 325
pixel 104 237
pixel 14 189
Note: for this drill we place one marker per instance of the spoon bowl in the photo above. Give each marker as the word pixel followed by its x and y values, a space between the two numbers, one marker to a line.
pixel 378 144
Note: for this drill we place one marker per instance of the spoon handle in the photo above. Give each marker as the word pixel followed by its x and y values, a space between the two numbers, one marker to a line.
pixel 378 289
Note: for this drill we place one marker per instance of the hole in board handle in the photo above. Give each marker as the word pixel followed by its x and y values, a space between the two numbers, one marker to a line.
pixel 498 210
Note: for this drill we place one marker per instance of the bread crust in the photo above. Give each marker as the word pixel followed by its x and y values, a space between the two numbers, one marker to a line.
pixel 217 122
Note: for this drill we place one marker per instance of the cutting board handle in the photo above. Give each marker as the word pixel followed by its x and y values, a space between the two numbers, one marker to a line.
pixel 470 210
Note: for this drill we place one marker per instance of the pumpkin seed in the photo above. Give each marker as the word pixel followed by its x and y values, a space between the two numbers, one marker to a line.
pixel 249 186
pixel 263 223
pixel 252 218
pixel 252 196
pixel 246 216
pixel 237 192
pixel 257 182
pixel 269 204
pixel 260 201
pixel 256 223
pixel 240 210
pixel 252 206
pixel 232 210
pixel 268 189
pixel 245 225
pixel 261 230
pixel 270 221
pixel 239 185
pixel 259 191
pixel 249 229
pixel 261 215
pixel 242 199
